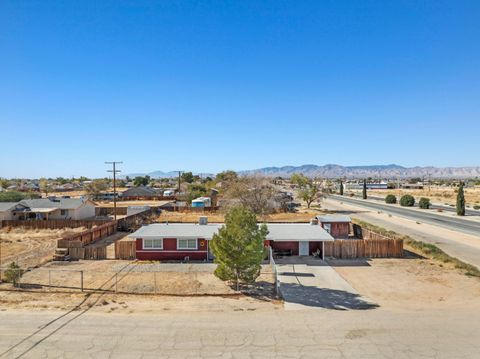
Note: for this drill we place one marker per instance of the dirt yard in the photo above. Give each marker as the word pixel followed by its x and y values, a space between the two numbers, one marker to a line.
pixel 442 195
pixel 31 247
pixel 303 215
pixel 410 283
pixel 134 277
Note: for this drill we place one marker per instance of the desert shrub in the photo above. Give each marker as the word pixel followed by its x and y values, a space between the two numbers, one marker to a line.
pixel 424 203
pixel 390 199
pixel 13 273
pixel 476 207
pixel 407 201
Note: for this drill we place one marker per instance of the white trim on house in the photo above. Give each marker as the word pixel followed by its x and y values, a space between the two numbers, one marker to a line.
pixel 187 248
pixel 153 242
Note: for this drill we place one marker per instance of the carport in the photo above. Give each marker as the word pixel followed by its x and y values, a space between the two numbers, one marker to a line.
pixel 297 239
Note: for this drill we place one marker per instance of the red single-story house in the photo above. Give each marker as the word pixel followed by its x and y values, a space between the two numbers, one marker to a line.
pixel 337 225
pixel 180 241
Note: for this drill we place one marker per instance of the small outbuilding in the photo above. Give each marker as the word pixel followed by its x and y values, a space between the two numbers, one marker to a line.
pixel 337 225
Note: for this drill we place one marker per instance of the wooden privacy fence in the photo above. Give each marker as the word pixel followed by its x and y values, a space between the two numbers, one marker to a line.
pixel 53 223
pixel 89 236
pixel 125 249
pixel 88 252
pixel 370 248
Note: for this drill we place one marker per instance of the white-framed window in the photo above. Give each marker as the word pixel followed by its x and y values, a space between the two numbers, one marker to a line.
pixel 327 227
pixel 187 243
pixel 152 243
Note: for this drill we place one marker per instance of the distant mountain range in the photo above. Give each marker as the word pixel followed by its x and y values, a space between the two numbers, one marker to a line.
pixel 337 171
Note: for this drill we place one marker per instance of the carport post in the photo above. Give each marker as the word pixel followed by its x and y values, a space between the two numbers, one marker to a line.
pixel 323 251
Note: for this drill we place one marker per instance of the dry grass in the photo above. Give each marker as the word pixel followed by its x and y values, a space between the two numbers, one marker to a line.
pixel 31 247
pixel 219 217
pixel 445 195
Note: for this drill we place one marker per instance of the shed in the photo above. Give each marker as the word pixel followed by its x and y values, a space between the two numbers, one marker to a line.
pixel 337 225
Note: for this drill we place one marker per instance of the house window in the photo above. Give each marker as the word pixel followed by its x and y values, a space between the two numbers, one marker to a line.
pixel 153 244
pixel 187 243
pixel 64 212
pixel 327 227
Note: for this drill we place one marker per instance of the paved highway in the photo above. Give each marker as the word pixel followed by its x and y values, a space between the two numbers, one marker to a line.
pixel 456 224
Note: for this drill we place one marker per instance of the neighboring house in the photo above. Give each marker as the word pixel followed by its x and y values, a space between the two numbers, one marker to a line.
pixel 180 241
pixel 141 192
pixel 337 225
pixel 55 208
pixel 7 210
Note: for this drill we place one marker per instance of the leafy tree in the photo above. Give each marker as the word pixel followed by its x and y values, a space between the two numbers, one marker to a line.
pixel 4 183
pixel 390 199
pixel 94 188
pixel 307 190
pixel 407 201
pixel 187 177
pixel 254 193
pixel 195 190
pixel 226 176
pixel 239 247
pixel 424 203
pixel 11 196
pixel 364 192
pixel 341 188
pixel 45 186
pixel 460 201
pixel 141 181
pixel 13 274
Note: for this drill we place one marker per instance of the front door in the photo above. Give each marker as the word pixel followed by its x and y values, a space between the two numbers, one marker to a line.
pixel 303 248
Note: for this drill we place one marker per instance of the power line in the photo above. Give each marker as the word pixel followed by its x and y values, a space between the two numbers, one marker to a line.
pixel 114 171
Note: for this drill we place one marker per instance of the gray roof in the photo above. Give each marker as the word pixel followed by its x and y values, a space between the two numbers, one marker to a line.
pixel 332 218
pixel 176 230
pixel 60 203
pixel 277 231
pixel 140 192
pixel 6 206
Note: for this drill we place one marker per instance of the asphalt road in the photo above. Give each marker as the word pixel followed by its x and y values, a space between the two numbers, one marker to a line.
pixel 456 224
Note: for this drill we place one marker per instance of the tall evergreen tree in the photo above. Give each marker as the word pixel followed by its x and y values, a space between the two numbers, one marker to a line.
pixel 239 247
pixel 341 188
pixel 460 201
pixel 364 194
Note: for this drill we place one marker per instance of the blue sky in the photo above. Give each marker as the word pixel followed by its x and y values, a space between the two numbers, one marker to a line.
pixel 212 85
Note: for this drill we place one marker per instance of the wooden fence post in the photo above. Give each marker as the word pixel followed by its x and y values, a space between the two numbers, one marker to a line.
pixel 81 280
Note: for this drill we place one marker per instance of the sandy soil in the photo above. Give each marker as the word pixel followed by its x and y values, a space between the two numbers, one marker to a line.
pixel 133 277
pixel 31 247
pixel 410 283
pixel 441 195
pixel 303 215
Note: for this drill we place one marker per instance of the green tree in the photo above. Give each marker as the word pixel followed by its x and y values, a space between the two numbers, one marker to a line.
pixel 407 201
pixel 341 188
pixel 364 192
pixel 390 199
pixel 11 196
pixel 226 176
pixel 195 190
pixel 187 177
pixel 239 247
pixel 141 181
pixel 424 203
pixel 4 183
pixel 13 274
pixel 460 201
pixel 307 190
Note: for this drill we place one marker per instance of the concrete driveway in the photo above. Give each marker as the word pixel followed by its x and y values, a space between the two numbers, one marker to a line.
pixel 307 283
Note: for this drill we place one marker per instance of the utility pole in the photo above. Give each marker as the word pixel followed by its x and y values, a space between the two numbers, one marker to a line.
pixel 179 179
pixel 114 171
